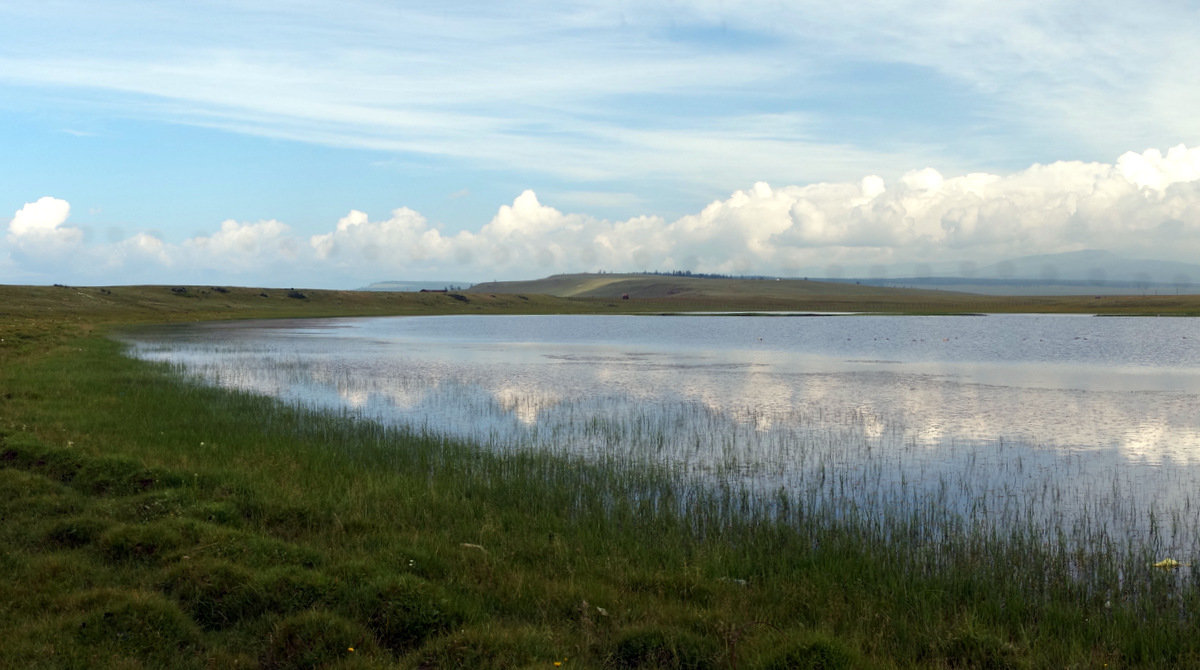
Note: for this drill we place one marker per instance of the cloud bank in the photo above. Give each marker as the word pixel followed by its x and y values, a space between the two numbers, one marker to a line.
pixel 1143 205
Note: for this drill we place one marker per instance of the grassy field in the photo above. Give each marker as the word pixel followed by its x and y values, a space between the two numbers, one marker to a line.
pixel 640 292
pixel 150 522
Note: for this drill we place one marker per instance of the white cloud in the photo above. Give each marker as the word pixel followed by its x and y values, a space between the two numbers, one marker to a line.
pixel 1139 204
pixel 140 250
pixel 1143 204
pixel 242 246
pixel 39 218
pixel 396 243
pixel 37 228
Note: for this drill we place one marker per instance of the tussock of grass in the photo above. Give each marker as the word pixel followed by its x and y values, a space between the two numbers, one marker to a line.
pixel 315 639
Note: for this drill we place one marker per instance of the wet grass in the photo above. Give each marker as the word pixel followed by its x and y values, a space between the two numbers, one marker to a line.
pixel 152 522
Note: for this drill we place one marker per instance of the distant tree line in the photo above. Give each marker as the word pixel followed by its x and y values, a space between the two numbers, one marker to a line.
pixel 689 273
pixel 702 275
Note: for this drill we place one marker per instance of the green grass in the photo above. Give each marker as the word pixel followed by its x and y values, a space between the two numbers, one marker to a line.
pixel 641 292
pixel 151 522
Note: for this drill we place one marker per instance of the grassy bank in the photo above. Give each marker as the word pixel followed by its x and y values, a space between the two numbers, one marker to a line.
pixel 150 522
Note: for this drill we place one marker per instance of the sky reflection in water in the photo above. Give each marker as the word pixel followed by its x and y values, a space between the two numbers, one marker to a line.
pixel 992 415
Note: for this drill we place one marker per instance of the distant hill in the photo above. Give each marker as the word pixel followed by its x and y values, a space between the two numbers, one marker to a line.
pixel 1090 271
pixel 1093 265
pixel 707 289
pixel 1032 287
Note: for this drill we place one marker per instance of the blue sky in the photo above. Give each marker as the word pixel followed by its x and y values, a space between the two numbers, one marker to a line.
pixel 335 144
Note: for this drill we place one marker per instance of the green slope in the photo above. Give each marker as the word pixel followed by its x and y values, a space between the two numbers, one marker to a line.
pixel 663 286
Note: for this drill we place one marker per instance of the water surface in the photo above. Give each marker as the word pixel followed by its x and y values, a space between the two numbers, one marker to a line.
pixel 991 418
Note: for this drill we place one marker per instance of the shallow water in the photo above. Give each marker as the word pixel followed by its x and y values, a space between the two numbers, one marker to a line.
pixel 1062 420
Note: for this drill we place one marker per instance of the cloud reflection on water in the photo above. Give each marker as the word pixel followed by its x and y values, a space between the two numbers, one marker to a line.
pixel 986 408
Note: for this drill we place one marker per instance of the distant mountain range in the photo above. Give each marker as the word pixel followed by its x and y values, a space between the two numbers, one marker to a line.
pixel 1093 265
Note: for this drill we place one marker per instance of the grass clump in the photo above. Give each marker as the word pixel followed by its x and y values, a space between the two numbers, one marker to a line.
pixel 140 626
pixel 113 475
pixel 976 649
pixel 288 589
pixel 815 654
pixel 657 647
pixel 216 593
pixel 494 647
pixel 76 531
pixel 315 639
pixel 150 542
pixel 402 611
pixel 17 488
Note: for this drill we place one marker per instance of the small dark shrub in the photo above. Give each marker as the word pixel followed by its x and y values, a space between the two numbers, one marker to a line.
pixel 664 648
pixel 297 295
pixel 311 639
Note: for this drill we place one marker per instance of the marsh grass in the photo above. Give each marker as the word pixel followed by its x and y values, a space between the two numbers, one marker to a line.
pixel 150 521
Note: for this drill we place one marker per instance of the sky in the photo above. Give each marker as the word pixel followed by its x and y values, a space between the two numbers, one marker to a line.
pixel 331 145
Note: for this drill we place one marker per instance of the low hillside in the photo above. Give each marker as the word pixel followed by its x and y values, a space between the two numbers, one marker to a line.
pixel 653 286
pixel 646 292
pixel 32 313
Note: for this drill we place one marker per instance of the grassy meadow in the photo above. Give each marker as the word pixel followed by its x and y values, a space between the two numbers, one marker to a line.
pixel 150 522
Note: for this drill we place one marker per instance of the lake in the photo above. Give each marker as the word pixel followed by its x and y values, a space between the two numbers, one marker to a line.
pixel 1076 424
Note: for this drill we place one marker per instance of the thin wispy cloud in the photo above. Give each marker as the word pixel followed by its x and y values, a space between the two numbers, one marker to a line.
pixel 632 115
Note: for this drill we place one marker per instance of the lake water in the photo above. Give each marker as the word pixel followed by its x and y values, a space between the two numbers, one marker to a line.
pixel 1059 421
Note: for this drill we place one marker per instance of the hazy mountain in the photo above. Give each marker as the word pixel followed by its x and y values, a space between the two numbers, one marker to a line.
pixel 1070 273
pixel 1092 265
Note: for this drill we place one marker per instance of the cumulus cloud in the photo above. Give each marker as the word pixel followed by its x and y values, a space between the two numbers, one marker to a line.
pixel 260 250
pixel 37 228
pixel 403 239
pixel 1143 204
